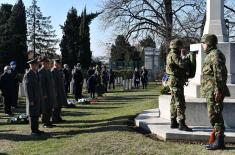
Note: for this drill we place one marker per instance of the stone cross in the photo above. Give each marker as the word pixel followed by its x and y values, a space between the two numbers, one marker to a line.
pixel 215 23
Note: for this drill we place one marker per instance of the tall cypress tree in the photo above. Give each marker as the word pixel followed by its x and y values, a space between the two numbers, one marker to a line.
pixel 85 48
pixel 85 56
pixel 75 44
pixel 5 38
pixel 70 42
pixel 18 29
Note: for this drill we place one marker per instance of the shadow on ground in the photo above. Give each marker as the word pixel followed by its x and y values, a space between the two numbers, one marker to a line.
pixel 79 125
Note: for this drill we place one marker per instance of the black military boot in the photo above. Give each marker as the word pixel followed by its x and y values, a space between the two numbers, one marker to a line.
pixel 218 144
pixel 174 123
pixel 183 126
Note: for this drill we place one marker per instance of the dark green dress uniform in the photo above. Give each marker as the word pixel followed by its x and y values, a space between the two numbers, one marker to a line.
pixel 175 68
pixel 33 98
pixel 214 79
pixel 60 94
pixel 48 91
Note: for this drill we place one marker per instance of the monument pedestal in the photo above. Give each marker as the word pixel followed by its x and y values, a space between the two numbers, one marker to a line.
pixel 196 111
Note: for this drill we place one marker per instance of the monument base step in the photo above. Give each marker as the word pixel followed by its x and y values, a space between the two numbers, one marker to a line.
pixel 150 121
pixel 196 111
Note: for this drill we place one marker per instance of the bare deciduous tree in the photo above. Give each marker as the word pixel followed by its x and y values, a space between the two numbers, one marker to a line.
pixel 163 18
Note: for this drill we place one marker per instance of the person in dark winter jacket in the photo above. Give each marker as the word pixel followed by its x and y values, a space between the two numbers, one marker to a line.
pixel 16 82
pixel 7 86
pixel 92 81
pixel 111 79
pixel 78 82
pixel 144 77
pixel 136 77
pixel 68 77
pixel 105 78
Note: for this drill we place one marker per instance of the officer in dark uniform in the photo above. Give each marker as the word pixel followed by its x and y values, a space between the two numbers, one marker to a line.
pixel 46 81
pixel 60 91
pixel 34 97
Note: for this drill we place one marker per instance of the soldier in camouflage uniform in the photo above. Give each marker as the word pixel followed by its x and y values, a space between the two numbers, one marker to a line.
pixel 214 89
pixel 175 69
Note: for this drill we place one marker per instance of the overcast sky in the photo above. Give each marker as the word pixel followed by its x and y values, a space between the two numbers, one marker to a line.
pixel 58 9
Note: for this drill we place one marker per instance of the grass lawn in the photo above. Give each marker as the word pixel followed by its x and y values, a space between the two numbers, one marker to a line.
pixel 102 128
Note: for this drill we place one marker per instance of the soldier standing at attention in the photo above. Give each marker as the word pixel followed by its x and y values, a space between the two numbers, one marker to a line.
pixel 175 69
pixel 60 92
pixel 47 87
pixel 214 89
pixel 33 96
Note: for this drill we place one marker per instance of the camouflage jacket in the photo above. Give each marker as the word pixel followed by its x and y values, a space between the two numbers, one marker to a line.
pixel 214 74
pixel 175 68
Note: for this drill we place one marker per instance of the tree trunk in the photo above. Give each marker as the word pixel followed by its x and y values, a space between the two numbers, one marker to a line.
pixel 169 21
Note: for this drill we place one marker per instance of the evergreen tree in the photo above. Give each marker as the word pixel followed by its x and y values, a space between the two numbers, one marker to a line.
pixel 121 50
pixel 85 49
pixel 75 44
pixel 41 36
pixel 5 38
pixel 18 29
pixel 70 42
pixel 148 42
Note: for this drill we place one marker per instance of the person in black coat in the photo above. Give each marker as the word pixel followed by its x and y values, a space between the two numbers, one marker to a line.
pixel 136 78
pixel 111 79
pixel 34 97
pixel 68 78
pixel 105 78
pixel 61 99
pixel 144 77
pixel 16 81
pixel 78 82
pixel 91 82
pixel 7 86
pixel 48 92
pixel 90 72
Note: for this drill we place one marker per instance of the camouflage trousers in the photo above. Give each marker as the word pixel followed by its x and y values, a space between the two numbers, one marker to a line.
pixel 215 115
pixel 177 106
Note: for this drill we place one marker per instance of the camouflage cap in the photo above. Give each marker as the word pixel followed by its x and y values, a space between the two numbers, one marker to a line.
pixel 209 39
pixel 176 44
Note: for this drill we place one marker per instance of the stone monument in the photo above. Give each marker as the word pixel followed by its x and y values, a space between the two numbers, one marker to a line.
pixel 215 24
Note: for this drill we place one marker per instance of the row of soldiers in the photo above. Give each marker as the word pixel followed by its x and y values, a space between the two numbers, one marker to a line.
pixel 45 93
